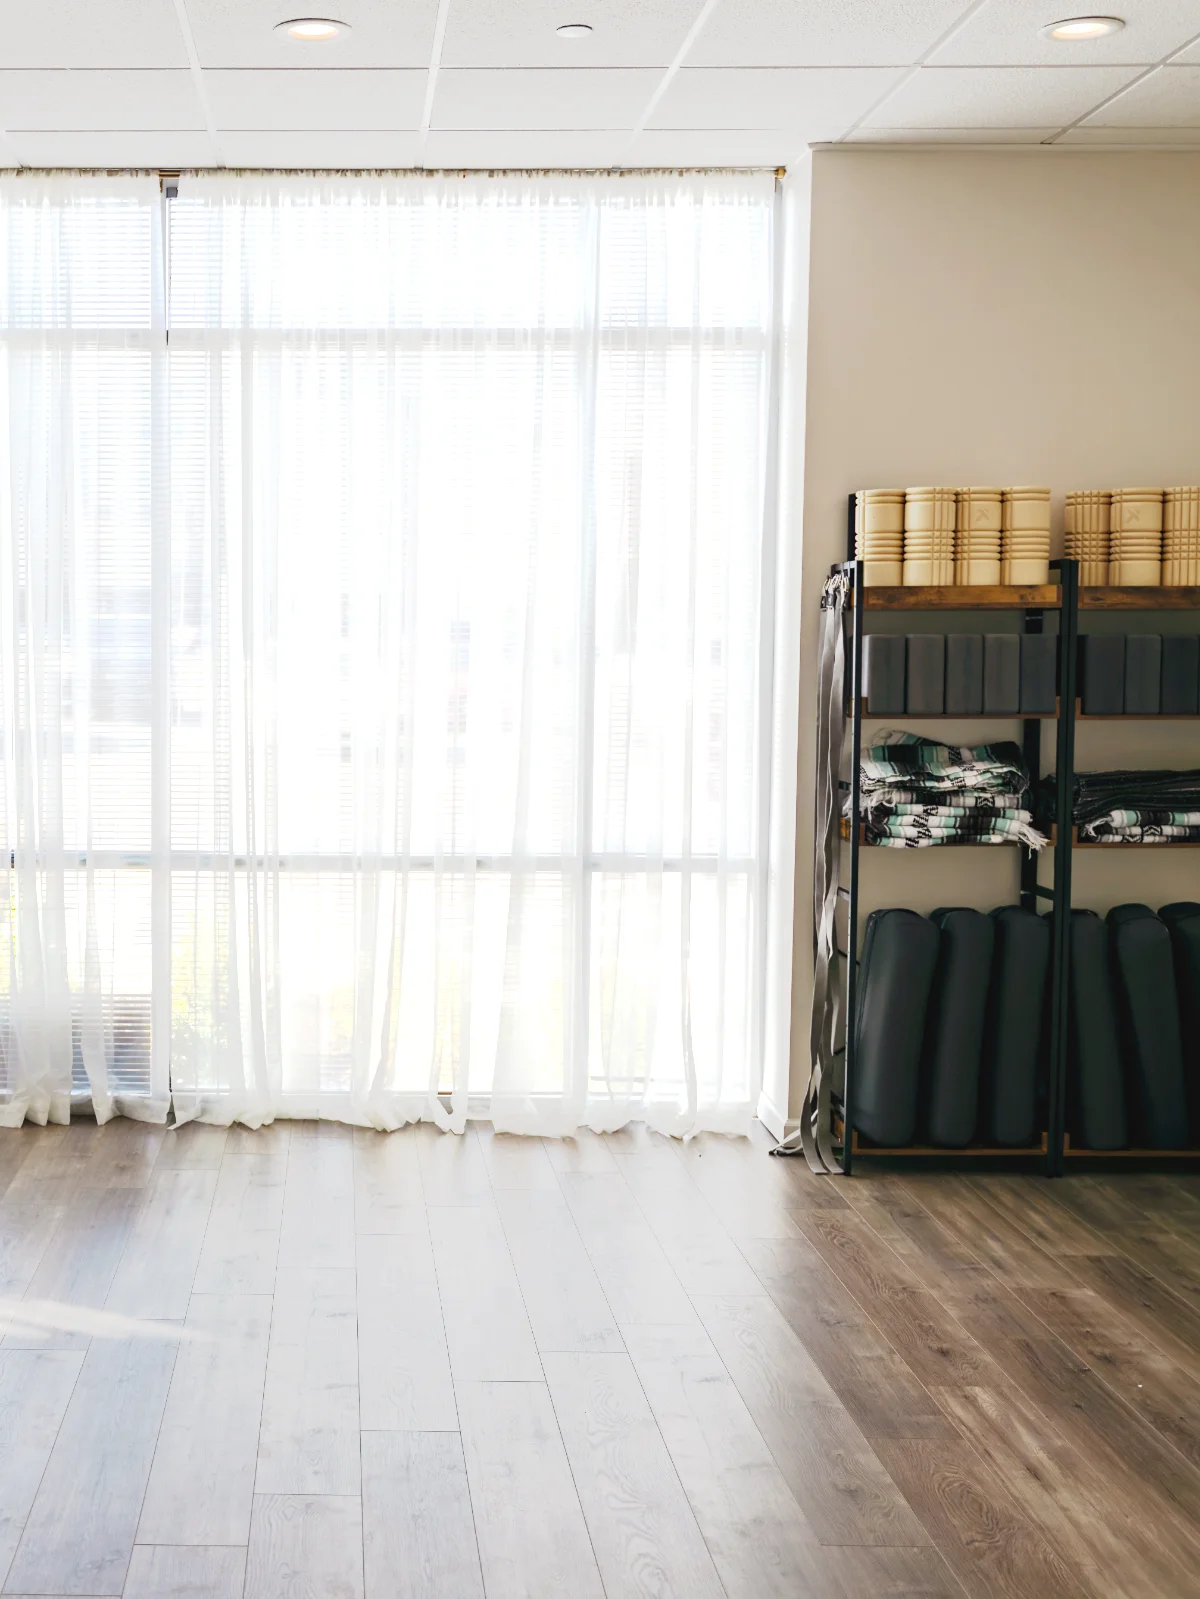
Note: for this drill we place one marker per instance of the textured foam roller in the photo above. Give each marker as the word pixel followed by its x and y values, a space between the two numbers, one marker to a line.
pixel 1182 921
pixel 1143 674
pixel 964 674
pixel 925 678
pixel 883 673
pixel 1102 673
pixel 954 1028
pixel 1143 964
pixel 1002 673
pixel 1096 1078
pixel 1039 673
pixel 1012 1064
pixel 1180 692
pixel 900 953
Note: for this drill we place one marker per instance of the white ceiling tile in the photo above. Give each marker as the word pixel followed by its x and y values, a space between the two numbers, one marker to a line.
pixel 581 99
pixel 88 33
pixel 1126 138
pixel 952 135
pixel 137 148
pixel 1008 33
pixel 321 151
pixel 521 33
pixel 998 97
pixel 357 100
pixel 241 33
pixel 815 102
pixel 544 148
pixel 1168 98
pixel 713 147
pixel 109 98
pixel 1188 56
pixel 821 33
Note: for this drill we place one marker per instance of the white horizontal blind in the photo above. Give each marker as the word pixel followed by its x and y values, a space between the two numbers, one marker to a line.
pixel 467 504
pixel 82 348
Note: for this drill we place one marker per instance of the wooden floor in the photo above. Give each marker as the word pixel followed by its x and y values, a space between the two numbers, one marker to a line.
pixel 321 1363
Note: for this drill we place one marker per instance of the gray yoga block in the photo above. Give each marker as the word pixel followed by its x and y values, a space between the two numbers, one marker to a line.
pixel 964 674
pixel 883 673
pixel 1143 674
pixel 1180 693
pixel 926 676
pixel 1002 673
pixel 1039 673
pixel 1102 669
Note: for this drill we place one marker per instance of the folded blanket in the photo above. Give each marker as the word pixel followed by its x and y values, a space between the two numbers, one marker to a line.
pixel 1139 835
pixel 1131 807
pixel 917 793
pixel 907 761
pixel 934 828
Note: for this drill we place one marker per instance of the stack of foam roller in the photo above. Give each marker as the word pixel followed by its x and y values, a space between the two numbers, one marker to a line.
pixel 950 1032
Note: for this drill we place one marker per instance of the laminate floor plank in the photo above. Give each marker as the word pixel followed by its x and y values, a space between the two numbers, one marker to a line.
pixel 882 1573
pixel 833 1472
pixel 201 1486
pixel 418 1526
pixel 702 1254
pixel 583 1151
pixel 76 1269
pixel 35 1389
pixel 158 1265
pixel 403 1362
pixel 515 1162
pixel 487 1330
pixel 643 1529
pixel 79 1533
pixel 1166 1318
pixel 308 1444
pixel 30 1216
pixel 240 1251
pixel 196 1146
pixel 760 1540
pixel 305 1547
pixel 162 1572
pixel 453 1170
pixel 124 1154
pixel 317 1230
pixel 628 1260
pixel 563 1297
pixel 533 1539
pixel 751 1194
pixel 388 1193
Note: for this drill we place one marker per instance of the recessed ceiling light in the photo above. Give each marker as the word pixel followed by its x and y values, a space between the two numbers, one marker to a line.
pixel 312 28
pixel 1078 28
pixel 574 30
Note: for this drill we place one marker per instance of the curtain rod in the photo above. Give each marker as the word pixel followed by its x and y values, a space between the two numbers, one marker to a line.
pixel 389 172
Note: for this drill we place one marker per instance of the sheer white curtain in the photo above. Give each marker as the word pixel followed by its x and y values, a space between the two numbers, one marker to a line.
pixel 467 489
pixel 82 364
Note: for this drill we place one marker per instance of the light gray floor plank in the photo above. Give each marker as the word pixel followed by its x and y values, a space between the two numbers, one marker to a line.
pixel 533 1540
pixel 318 1204
pixel 583 1151
pixel 155 1275
pixel 831 1469
pixel 309 1438
pixel 514 1161
pixel 403 1363
pixel 202 1483
pixel 643 1530
pixel 634 1273
pixel 35 1388
pixel 124 1154
pixel 453 1170
pixel 79 1534
pixel 241 1243
pixel 190 1573
pixel 77 1269
pixel 193 1147
pixel 487 1330
pixel 760 1539
pixel 563 1297
pixel 702 1254
pixel 418 1530
pixel 305 1548
pixel 388 1196
pixel 29 1218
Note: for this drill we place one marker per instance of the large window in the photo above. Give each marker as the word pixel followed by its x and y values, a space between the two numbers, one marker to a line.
pixel 412 594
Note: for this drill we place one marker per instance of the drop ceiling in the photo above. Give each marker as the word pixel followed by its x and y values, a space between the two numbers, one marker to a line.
pixel 489 83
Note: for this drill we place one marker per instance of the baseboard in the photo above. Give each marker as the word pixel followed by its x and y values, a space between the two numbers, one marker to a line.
pixel 774 1121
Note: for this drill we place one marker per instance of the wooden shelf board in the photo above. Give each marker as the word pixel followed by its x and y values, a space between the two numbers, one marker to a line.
pixel 1130 1154
pixel 924 1150
pixel 981 597
pixel 958 716
pixel 1139 599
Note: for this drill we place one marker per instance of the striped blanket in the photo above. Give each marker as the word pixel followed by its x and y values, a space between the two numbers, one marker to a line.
pixel 917 793
pixel 1132 807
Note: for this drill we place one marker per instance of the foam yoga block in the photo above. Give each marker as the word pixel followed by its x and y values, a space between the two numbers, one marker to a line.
pixel 954 1029
pixel 899 956
pixel 1096 1117
pixel 964 674
pixel 1182 922
pixel 926 674
pixel 1180 691
pixel 1014 1026
pixel 1039 673
pixel 1143 674
pixel 1144 969
pixel 1102 673
pixel 1002 673
pixel 883 673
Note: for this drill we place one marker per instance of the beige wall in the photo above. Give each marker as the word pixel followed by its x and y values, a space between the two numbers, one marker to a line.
pixel 996 317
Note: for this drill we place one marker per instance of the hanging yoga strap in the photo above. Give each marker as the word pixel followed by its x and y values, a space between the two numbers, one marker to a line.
pixel 815 1134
